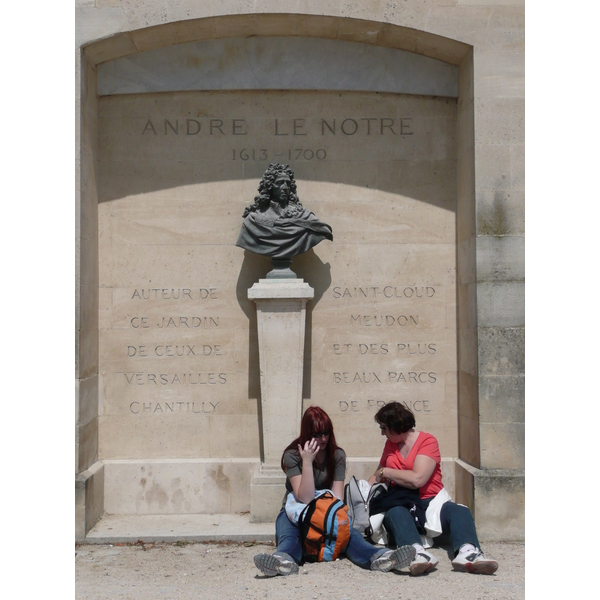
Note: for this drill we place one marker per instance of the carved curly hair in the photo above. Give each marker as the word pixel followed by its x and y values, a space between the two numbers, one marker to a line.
pixel 263 200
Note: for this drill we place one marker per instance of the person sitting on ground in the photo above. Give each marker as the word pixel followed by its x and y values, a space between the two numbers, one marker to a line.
pixel 314 461
pixel 412 459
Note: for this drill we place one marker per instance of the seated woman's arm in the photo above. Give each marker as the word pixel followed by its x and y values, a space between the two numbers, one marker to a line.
pixel 304 484
pixel 338 489
pixel 416 478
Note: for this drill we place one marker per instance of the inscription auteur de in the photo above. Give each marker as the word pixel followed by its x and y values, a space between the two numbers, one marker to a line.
pixel 174 294
pixel 299 127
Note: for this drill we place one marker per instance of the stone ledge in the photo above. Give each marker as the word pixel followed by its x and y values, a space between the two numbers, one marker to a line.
pixel 497 499
pixel 89 499
pixel 118 529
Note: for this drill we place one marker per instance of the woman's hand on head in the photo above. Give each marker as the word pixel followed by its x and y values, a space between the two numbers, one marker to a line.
pixel 310 450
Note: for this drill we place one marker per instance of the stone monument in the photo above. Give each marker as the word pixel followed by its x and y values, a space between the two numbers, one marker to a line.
pixel 408 140
pixel 278 226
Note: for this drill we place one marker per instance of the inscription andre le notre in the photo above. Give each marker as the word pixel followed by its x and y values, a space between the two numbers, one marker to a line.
pixel 281 127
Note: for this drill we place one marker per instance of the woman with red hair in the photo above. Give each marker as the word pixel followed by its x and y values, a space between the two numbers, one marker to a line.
pixel 314 461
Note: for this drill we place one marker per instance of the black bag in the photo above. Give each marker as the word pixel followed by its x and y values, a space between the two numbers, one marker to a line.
pixel 398 495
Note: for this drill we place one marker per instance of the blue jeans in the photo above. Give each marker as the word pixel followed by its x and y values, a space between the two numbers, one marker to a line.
pixel 359 551
pixel 456 520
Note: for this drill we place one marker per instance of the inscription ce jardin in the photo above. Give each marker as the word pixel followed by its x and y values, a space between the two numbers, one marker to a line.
pixel 174 322
pixel 280 129
pixel 392 348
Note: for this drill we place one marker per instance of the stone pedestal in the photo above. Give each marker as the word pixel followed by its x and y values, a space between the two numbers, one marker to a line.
pixel 281 317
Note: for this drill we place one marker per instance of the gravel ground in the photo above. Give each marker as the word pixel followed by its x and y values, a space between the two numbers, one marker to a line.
pixel 226 571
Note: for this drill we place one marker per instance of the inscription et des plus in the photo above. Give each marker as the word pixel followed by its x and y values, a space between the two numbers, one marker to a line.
pixel 412 348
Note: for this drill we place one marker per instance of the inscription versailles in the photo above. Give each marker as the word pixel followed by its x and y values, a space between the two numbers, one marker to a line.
pixel 294 127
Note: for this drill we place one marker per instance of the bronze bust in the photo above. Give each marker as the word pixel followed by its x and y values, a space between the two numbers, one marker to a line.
pixel 276 224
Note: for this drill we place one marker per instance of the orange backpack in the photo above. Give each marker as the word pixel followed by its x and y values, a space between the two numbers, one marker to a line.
pixel 324 528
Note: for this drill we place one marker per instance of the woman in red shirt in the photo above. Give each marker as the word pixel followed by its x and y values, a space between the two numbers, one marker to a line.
pixel 412 459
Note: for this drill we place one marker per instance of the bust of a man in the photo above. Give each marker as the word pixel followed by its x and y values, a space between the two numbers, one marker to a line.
pixel 276 224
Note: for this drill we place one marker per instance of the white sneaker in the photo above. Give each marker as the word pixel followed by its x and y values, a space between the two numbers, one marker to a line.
pixel 274 564
pixel 393 559
pixel 422 562
pixel 475 562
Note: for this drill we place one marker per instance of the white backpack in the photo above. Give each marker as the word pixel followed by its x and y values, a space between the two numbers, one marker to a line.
pixel 358 505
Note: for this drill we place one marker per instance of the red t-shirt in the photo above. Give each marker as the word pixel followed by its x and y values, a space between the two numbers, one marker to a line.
pixel 427 445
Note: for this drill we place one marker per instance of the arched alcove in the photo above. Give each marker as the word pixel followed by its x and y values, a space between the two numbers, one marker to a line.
pixel 149 232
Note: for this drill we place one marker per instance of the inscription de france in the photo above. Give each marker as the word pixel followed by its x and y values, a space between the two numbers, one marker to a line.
pixel 373 405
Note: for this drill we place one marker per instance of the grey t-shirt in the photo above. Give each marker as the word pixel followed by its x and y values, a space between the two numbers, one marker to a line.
pixel 293 464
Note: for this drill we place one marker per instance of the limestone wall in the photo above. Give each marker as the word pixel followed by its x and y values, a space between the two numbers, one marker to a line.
pixel 430 215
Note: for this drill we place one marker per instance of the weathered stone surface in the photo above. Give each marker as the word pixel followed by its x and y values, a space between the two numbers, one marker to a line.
pixel 437 203
pixel 264 63
pixel 501 351
pixel 179 486
pixel 499 497
pixel 502 399
pixel 89 499
pixel 500 258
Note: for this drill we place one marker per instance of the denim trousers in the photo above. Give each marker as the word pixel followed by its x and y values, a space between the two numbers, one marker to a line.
pixel 456 520
pixel 359 551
